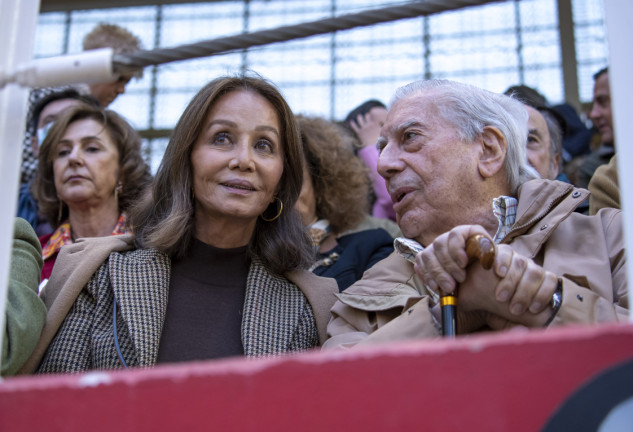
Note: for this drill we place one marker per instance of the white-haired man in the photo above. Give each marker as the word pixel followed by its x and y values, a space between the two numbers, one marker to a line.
pixel 454 160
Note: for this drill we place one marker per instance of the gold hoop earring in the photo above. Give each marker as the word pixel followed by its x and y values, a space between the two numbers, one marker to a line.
pixel 281 208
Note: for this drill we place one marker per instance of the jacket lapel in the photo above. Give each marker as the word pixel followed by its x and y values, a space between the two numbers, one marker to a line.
pixel 140 282
pixel 272 309
pixel 543 205
pixel 320 293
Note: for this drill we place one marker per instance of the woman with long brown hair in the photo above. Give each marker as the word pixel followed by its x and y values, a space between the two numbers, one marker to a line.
pixel 219 252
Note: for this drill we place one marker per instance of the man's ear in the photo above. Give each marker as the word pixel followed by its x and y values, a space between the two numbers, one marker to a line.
pixel 493 151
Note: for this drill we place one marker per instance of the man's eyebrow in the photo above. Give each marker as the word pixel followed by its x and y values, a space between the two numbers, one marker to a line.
pixel 534 132
pixel 398 128
pixel 407 124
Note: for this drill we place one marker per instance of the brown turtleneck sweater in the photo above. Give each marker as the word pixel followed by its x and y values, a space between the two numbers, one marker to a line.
pixel 204 309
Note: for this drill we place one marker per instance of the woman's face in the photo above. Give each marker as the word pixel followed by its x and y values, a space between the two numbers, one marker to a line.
pixel 237 160
pixel 306 204
pixel 86 164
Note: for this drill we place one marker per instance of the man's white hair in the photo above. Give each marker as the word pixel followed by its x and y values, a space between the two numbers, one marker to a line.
pixel 469 109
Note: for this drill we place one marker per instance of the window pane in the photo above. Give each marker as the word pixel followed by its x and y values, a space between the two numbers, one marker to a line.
pixel 493 46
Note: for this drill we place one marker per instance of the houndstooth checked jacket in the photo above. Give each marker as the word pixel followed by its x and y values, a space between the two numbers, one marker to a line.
pixel 278 316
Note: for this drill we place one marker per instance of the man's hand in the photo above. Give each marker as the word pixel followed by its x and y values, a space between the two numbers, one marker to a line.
pixel 515 289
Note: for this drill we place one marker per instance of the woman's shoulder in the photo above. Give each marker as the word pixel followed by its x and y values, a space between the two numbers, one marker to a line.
pixel 307 281
pixel 99 245
pixel 77 262
pixel 140 255
pixel 321 294
pixel 96 251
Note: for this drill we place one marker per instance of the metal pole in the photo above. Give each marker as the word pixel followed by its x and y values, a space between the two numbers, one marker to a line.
pixel 618 15
pixel 18 19
pixel 569 61
pixel 139 59
pixel 518 30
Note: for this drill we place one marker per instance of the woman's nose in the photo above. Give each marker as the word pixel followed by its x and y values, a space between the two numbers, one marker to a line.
pixel 243 158
pixel 75 156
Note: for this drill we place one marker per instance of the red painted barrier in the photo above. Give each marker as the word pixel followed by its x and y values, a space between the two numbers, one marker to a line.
pixel 498 382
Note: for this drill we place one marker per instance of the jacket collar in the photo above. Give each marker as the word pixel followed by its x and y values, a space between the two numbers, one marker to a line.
pixel 543 204
pixel 272 309
pixel 142 301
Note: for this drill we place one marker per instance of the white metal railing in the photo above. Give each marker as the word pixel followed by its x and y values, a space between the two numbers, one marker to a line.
pixel 18 19
pixel 618 18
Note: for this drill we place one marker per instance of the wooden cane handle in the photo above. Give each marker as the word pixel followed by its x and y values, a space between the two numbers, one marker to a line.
pixel 482 248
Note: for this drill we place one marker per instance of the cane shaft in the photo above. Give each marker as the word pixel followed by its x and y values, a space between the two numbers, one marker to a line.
pixel 478 247
pixel 448 305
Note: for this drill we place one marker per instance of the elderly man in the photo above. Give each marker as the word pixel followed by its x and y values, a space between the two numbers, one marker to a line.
pixel 544 143
pixel 545 131
pixel 454 161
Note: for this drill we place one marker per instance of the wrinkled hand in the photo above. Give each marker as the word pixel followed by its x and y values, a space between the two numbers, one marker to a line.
pixel 516 289
pixel 367 128
pixel 473 321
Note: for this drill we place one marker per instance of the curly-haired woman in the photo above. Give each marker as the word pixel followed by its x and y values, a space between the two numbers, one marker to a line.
pixel 334 205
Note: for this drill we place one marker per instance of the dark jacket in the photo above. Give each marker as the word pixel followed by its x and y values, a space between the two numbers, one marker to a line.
pixel 354 254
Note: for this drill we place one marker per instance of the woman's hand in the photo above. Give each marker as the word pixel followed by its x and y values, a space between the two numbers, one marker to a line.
pixel 367 128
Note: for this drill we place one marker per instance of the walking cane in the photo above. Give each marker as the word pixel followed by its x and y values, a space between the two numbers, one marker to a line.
pixel 478 247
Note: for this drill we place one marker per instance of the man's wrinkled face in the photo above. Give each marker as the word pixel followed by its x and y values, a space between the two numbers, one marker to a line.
pixel 429 171
pixel 539 143
pixel 601 109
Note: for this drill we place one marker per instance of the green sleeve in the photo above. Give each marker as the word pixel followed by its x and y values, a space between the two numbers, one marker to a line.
pixel 25 311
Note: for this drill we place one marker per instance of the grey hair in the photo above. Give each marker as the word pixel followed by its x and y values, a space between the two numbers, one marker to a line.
pixel 556 138
pixel 470 109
